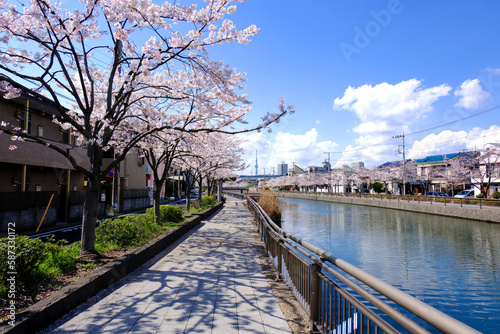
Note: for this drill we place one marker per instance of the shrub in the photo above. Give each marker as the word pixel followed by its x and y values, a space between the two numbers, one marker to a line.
pixel 496 195
pixel 168 213
pixel 378 187
pixel 480 196
pixel 207 201
pixel 128 231
pixel 27 255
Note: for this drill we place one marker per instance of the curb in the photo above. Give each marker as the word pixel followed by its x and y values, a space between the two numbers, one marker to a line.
pixel 45 312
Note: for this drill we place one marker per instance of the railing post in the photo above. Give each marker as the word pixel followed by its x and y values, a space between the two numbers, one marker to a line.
pixel 314 307
pixel 279 255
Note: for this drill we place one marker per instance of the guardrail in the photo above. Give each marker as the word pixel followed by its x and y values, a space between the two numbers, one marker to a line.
pixel 341 298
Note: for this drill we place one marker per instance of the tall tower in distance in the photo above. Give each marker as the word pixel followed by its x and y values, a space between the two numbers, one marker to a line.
pixel 256 164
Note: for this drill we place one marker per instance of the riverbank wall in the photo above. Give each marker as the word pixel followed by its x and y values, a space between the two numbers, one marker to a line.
pixel 470 212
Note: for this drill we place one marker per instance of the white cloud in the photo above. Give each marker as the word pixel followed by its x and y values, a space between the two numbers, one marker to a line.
pixel 471 94
pixel 371 149
pixel 495 71
pixel 254 143
pixel 383 111
pixel 444 142
pixel 387 108
pixel 318 122
pixel 454 141
pixel 303 149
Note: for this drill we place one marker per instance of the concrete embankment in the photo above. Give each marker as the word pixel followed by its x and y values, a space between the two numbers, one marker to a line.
pixel 455 210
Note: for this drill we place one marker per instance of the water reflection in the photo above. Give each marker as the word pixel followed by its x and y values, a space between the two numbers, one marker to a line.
pixel 452 264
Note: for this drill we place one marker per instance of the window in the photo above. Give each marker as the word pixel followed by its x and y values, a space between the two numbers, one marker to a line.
pixel 65 137
pixel 21 121
pixel 492 170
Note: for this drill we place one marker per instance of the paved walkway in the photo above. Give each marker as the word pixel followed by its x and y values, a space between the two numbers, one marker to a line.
pixel 209 282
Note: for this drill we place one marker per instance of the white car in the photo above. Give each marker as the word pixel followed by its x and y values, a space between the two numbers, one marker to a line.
pixel 465 194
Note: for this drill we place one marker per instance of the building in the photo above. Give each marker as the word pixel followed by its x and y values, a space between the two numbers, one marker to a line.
pixel 282 169
pixel 486 178
pixel 296 170
pixel 34 175
pixel 358 165
pixel 320 169
pixel 340 180
pixel 445 172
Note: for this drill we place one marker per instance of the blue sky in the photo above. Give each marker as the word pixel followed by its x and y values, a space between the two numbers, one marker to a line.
pixel 361 72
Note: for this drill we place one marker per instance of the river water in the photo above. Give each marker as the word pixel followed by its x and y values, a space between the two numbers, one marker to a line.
pixel 451 264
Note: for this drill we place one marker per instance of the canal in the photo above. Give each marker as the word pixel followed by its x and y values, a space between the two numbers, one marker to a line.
pixel 451 264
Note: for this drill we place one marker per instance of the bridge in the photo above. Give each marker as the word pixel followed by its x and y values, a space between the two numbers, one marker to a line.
pixel 240 189
pixel 257 177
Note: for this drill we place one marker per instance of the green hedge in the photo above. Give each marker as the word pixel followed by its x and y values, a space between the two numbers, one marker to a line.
pixel 207 201
pixel 129 231
pixel 168 213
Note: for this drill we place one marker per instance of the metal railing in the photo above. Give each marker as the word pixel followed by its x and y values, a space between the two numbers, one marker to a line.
pixel 341 298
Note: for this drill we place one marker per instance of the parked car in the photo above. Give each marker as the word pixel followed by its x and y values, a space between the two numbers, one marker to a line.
pixel 469 193
pixel 436 194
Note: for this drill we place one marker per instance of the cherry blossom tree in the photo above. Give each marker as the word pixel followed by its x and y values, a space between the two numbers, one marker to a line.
pixel 152 53
pixel 486 170
pixel 382 175
pixel 160 150
pixel 405 173
pixel 458 171
pixel 211 154
pixel 432 173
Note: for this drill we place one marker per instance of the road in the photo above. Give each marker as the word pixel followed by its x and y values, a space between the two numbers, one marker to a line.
pixel 72 233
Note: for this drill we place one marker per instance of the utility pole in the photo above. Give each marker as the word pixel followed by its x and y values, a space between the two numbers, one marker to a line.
pixel 404 160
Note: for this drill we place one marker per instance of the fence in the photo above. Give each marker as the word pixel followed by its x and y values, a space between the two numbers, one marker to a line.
pixel 18 201
pixel 341 298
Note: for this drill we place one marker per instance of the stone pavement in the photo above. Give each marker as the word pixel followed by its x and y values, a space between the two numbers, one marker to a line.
pixel 210 281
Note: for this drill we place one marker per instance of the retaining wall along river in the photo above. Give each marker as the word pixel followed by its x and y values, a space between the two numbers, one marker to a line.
pixel 455 210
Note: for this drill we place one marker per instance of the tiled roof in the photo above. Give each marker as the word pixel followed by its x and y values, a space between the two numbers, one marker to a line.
pixel 437 158
pixel 393 163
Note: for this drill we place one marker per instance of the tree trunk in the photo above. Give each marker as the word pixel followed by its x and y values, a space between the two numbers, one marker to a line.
pixel 157 184
pixel 89 220
pixel 188 192
pixel 200 188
